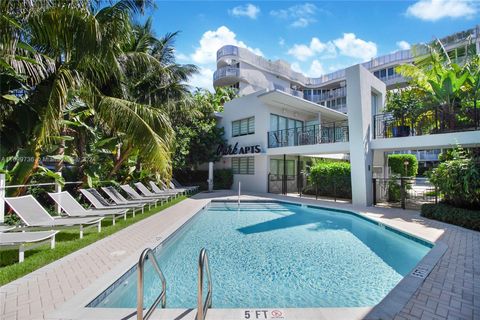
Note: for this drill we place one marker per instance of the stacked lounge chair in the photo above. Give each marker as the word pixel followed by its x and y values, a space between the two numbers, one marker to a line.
pixel 100 203
pixel 118 198
pixel 178 185
pixel 136 196
pixel 72 208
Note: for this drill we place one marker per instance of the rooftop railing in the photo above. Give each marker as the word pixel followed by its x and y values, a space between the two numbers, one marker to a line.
pixel 434 121
pixel 309 135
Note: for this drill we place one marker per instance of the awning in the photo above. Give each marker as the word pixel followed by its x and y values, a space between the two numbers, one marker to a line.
pixel 282 99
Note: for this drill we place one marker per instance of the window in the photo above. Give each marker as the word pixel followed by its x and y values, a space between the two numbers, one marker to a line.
pixel 390 72
pixel 243 165
pixel 276 167
pixel 243 127
pixel 282 123
pixel 383 73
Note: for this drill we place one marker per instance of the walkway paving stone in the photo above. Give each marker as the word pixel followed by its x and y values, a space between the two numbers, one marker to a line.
pixel 451 291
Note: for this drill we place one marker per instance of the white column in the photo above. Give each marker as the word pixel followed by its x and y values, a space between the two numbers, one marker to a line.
pixel 2 197
pixel 320 127
pixel 360 85
pixel 58 189
pixel 210 176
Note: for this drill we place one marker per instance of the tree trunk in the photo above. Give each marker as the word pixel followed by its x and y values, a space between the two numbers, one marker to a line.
pixel 119 162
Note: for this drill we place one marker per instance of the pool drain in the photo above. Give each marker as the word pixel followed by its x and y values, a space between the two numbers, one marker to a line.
pixel 421 272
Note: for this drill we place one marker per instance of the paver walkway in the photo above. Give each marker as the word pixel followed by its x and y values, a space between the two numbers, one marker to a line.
pixel 451 291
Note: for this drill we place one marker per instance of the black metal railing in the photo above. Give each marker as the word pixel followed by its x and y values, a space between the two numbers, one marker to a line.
pixel 308 135
pixel 404 192
pixel 438 120
pixel 325 187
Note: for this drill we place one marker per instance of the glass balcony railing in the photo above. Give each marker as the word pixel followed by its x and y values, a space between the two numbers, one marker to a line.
pixel 226 72
pixel 308 135
pixel 227 51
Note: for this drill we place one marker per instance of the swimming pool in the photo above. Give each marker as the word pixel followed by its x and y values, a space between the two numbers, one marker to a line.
pixel 276 255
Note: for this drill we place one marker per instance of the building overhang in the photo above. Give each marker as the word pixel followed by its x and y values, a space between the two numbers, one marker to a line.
pixel 282 99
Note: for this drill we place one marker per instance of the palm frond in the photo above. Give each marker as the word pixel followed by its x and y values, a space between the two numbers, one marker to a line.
pixel 148 129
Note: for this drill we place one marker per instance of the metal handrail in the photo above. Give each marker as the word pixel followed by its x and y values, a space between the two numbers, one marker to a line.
pixel 203 307
pixel 161 297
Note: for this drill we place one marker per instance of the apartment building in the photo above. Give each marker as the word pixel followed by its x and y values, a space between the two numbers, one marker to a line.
pixel 243 70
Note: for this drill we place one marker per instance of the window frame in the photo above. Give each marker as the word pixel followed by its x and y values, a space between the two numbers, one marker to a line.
pixel 250 126
pixel 237 165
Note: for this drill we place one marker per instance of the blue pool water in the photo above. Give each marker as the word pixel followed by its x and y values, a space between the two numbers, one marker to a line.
pixel 276 255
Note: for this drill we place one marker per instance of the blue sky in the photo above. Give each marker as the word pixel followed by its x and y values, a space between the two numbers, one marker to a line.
pixel 316 37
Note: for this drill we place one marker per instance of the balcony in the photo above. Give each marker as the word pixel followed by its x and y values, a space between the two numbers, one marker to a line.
pixel 434 121
pixel 309 135
pixel 226 76
pixel 227 51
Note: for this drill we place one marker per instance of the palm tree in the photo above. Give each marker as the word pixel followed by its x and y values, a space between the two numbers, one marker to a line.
pixel 79 50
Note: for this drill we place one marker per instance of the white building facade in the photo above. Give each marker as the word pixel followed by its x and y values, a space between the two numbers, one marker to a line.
pixel 272 134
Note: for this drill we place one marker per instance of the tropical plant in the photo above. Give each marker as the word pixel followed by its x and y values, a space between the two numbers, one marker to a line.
pixel 79 78
pixel 197 133
pixel 457 178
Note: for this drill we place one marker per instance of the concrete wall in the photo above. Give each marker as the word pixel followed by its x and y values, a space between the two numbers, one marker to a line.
pixel 360 85
pixel 257 79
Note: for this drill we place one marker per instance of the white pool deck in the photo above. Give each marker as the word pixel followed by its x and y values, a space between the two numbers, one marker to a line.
pixel 61 289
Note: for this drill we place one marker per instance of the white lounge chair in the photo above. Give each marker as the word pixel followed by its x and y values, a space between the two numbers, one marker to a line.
pixel 72 208
pixel 147 193
pixel 23 239
pixel 136 196
pixel 171 187
pixel 158 190
pixel 34 215
pixel 99 202
pixel 180 186
pixel 118 198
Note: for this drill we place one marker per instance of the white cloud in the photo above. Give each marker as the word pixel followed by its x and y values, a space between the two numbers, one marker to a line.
pixel 300 15
pixel 281 42
pixel 249 10
pixel 202 79
pixel 181 57
pixel 351 46
pixel 315 70
pixel 433 10
pixel 403 45
pixel 211 41
pixel 302 52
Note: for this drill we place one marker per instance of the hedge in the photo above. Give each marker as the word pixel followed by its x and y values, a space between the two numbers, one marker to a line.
pixel 331 178
pixel 466 218
pixel 222 178
pixel 396 163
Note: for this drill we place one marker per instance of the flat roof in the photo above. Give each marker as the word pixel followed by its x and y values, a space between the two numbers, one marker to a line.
pixel 282 99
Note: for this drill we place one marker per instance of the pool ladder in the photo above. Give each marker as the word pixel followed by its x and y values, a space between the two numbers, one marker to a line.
pixel 203 306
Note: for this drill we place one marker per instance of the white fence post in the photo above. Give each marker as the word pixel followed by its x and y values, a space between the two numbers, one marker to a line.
pixel 58 189
pixel 210 176
pixel 2 197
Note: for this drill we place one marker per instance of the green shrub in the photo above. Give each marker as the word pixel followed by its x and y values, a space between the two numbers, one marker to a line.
pixel 222 178
pixel 458 180
pixel 461 217
pixel 397 163
pixel 332 178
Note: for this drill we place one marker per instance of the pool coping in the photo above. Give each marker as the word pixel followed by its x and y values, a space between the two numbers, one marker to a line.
pixel 391 305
